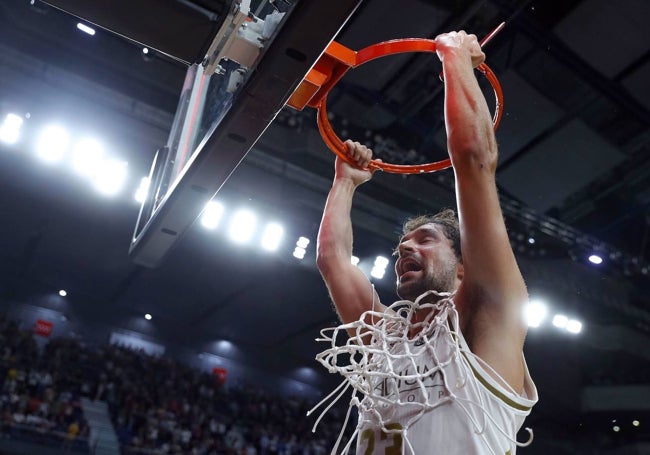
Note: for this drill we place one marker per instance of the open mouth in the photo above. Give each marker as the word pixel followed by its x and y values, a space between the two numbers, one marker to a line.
pixel 409 265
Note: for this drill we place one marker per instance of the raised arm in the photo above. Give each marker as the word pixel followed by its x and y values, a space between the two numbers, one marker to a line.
pixel 492 291
pixel 350 289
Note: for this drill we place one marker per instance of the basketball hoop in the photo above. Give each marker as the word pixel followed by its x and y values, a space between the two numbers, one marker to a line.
pixel 338 59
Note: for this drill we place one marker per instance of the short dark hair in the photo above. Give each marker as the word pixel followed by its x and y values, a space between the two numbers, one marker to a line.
pixel 445 218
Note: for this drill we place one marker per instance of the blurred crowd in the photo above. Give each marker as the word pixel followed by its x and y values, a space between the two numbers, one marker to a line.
pixel 37 401
pixel 157 404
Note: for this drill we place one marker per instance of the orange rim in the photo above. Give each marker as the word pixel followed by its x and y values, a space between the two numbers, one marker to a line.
pixel 389 48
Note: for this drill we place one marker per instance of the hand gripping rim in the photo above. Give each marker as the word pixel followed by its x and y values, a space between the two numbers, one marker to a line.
pixel 381 50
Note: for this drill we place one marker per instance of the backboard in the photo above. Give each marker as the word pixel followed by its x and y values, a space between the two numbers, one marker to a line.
pixel 245 58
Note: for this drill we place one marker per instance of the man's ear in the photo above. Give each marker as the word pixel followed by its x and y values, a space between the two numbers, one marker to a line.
pixel 460 271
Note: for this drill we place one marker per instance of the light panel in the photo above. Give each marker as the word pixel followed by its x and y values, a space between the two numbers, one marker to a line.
pixel 86 29
pixel 560 321
pixel 381 262
pixel 87 156
pixel 379 269
pixel 595 259
pixel 378 272
pixel 272 236
pixel 573 326
pixel 10 129
pixel 302 242
pixel 143 190
pixel 110 177
pixel 52 144
pixel 242 226
pixel 212 214
pixel 535 313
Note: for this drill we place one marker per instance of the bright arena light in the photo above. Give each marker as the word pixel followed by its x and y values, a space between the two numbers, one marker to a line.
pixel 560 321
pixel 381 262
pixel 110 177
pixel 301 247
pixel 379 269
pixel 242 226
pixel 52 144
pixel 573 326
pixel 147 317
pixel 224 346
pixel 535 313
pixel 354 260
pixel 272 236
pixel 212 214
pixel 87 157
pixel 63 293
pixel 595 259
pixel 143 190
pixel 377 273
pixel 10 129
pixel 86 29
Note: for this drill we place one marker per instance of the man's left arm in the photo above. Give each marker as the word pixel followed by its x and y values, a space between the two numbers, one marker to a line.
pixel 492 290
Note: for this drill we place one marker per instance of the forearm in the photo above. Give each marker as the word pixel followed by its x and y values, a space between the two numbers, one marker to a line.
pixel 470 135
pixel 335 233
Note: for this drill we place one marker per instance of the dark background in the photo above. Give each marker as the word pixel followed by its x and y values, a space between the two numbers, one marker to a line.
pixel 573 175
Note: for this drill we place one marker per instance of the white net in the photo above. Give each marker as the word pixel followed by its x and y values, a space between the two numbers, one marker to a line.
pixel 390 353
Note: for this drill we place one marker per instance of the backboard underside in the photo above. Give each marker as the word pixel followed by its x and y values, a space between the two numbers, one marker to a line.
pixel 226 105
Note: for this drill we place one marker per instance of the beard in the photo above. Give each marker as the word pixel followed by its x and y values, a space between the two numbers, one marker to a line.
pixel 443 280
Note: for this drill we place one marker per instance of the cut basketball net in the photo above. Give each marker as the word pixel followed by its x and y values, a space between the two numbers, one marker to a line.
pixel 338 59
pixel 377 369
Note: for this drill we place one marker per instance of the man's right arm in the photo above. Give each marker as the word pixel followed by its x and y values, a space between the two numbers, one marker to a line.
pixel 349 288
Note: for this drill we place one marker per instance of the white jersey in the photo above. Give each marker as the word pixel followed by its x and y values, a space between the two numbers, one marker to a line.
pixel 429 394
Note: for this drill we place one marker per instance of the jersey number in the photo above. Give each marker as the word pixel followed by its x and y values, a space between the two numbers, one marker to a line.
pixel 394 449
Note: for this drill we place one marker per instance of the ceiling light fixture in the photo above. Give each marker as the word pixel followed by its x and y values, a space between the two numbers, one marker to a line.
pixel 142 191
pixel 535 313
pixel 212 214
pixel 52 144
pixel 87 156
pixel 595 259
pixel 10 129
pixel 86 29
pixel 272 236
pixel 242 226
pixel 379 269
pixel 110 177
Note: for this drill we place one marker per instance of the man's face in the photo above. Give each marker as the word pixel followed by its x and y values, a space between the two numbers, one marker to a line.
pixel 425 261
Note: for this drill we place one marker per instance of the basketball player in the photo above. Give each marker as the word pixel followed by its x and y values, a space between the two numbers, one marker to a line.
pixel 465 327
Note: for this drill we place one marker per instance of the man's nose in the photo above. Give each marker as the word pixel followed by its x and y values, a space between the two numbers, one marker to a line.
pixel 405 246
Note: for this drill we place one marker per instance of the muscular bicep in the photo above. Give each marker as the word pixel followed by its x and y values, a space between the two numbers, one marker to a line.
pixel 492 291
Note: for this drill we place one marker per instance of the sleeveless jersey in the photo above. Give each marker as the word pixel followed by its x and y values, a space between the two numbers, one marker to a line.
pixel 428 394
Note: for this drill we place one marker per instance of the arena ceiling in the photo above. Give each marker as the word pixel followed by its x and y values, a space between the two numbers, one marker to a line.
pixel 574 175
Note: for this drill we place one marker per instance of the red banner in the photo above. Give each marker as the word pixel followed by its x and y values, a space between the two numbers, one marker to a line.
pixel 43 328
pixel 220 373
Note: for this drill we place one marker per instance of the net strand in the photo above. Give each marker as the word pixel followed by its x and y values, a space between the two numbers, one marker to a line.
pixel 371 365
